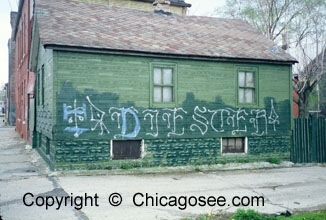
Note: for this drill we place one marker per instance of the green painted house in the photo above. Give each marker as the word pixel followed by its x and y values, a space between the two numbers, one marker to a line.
pixel 118 86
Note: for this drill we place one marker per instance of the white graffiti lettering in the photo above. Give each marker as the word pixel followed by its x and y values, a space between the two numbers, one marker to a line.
pixel 97 115
pixel 171 121
pixel 153 114
pixel 196 117
pixel 174 119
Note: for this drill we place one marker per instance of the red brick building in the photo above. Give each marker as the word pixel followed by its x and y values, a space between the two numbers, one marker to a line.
pixel 24 78
pixel 295 106
pixel 11 88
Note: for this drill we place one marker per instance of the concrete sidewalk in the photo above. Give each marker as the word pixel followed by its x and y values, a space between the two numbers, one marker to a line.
pixel 22 171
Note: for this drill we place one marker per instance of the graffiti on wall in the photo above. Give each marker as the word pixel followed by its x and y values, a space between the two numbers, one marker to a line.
pixel 73 115
pixel 170 121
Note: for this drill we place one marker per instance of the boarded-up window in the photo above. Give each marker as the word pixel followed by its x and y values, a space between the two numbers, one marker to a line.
pixel 233 145
pixel 126 149
pixel 42 85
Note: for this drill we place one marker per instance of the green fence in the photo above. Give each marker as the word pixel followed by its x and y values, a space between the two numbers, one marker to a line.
pixel 309 140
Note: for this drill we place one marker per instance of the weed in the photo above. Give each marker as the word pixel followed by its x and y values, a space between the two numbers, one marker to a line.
pixel 243 161
pixel 274 160
pixel 246 215
pixel 108 167
pixel 253 215
pixel 125 166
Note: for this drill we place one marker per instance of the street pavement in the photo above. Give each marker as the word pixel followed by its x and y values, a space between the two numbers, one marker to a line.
pixel 22 171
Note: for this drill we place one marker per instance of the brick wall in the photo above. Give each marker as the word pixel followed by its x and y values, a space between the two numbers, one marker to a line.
pixel 11 118
pixel 23 78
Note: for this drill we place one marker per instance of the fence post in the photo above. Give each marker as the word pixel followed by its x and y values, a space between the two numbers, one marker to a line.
pixel 314 131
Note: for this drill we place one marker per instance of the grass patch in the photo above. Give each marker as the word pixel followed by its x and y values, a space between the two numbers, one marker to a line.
pixel 316 215
pixel 274 160
pixel 108 167
pixel 253 215
pixel 243 161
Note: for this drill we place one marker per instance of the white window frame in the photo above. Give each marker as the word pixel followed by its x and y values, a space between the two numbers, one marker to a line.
pixel 142 148
pixel 245 147
pixel 174 68
pixel 255 71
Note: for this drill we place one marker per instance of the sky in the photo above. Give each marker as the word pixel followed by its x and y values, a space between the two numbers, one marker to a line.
pixel 199 7
pixel 5 30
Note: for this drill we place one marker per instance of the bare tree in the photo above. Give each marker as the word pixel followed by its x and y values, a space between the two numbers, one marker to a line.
pixel 270 17
pixel 301 24
pixel 310 44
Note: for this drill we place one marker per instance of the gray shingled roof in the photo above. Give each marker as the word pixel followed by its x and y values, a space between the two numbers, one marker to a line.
pixel 69 23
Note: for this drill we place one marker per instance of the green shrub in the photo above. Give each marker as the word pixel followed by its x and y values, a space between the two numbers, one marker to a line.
pixel 126 166
pixel 275 160
pixel 108 167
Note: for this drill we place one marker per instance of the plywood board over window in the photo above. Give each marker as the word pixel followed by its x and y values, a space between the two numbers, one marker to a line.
pixel 126 149
pixel 234 145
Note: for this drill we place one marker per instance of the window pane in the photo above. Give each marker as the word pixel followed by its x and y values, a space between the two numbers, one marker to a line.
pixel 157 76
pixel 233 145
pixel 250 79
pixel 224 142
pixel 231 142
pixel 249 93
pixel 167 76
pixel 241 95
pixel 241 78
pixel 167 94
pixel 239 144
pixel 157 94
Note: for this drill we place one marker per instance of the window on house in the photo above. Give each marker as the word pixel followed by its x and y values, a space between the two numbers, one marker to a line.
pixel 233 145
pixel 47 145
pixel 38 78
pixel 31 9
pixel 42 86
pixel 24 93
pixel 247 90
pixel 126 149
pixel 23 35
pixel 20 45
pixel 163 85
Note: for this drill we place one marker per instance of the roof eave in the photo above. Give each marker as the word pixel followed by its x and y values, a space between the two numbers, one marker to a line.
pixel 166 55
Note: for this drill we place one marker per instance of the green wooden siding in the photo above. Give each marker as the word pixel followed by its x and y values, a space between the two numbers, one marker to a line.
pixel 113 84
pixel 44 116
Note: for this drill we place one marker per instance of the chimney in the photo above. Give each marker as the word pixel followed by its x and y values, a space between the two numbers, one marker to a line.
pixel 285 45
pixel 162 6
